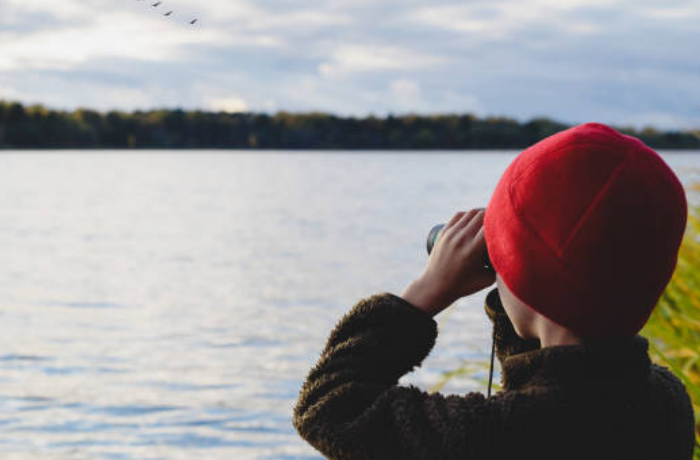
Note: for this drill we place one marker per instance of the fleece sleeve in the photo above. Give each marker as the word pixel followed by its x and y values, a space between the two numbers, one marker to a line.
pixel 350 406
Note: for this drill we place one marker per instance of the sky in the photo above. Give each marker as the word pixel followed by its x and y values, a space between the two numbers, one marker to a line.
pixel 623 62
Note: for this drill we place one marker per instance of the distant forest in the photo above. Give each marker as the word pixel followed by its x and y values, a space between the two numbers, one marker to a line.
pixel 36 127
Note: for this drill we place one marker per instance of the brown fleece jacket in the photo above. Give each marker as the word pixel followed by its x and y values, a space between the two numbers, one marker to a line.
pixel 603 400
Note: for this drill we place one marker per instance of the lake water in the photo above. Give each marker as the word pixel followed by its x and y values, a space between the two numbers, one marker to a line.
pixel 159 305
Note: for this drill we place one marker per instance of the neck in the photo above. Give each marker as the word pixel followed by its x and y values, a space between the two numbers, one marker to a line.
pixel 551 334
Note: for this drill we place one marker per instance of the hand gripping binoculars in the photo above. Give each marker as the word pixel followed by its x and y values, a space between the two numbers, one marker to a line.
pixel 435 234
pixel 432 238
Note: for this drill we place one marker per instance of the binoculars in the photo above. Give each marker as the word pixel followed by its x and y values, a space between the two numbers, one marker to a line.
pixel 434 235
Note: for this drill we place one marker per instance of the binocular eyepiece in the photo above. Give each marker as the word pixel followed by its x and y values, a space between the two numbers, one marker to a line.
pixel 435 234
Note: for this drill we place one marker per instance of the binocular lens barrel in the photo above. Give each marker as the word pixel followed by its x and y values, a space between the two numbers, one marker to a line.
pixel 435 234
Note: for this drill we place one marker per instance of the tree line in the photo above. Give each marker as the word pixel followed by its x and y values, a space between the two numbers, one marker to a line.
pixel 37 127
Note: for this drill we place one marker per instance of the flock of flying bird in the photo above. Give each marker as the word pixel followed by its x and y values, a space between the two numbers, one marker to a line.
pixel 157 4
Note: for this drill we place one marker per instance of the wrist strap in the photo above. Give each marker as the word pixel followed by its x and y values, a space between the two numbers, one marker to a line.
pixel 493 349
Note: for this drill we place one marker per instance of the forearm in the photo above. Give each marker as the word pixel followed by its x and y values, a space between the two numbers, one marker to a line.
pixel 425 297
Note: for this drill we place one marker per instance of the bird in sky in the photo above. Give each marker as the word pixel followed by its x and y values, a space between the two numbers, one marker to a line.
pixel 158 3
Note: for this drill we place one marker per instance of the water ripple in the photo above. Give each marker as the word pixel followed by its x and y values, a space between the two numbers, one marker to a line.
pixel 18 357
pixel 132 410
pixel 165 307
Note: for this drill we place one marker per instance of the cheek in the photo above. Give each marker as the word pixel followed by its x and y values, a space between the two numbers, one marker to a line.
pixel 519 321
pixel 518 316
pixel 512 315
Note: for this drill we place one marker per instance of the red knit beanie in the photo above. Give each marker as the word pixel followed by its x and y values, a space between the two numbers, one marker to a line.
pixel 585 228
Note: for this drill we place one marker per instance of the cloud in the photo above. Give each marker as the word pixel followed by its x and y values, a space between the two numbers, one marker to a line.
pixel 227 104
pixel 405 90
pixel 616 61
pixel 351 59
pixel 9 92
pixel 409 97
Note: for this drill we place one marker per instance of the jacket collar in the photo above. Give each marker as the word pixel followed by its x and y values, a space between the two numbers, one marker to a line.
pixel 604 360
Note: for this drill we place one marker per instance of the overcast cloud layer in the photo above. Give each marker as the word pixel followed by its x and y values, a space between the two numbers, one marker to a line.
pixel 625 62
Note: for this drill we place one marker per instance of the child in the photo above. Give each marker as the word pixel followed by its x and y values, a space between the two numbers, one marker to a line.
pixel 583 232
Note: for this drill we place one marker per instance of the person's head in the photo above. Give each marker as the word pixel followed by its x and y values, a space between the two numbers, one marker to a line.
pixel 583 230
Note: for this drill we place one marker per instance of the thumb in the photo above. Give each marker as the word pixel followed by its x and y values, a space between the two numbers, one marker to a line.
pixel 481 280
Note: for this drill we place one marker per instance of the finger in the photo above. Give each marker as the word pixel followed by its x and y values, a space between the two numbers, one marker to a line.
pixel 465 230
pixel 454 219
pixel 476 223
pixel 464 221
pixel 471 238
pixel 455 232
pixel 479 238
